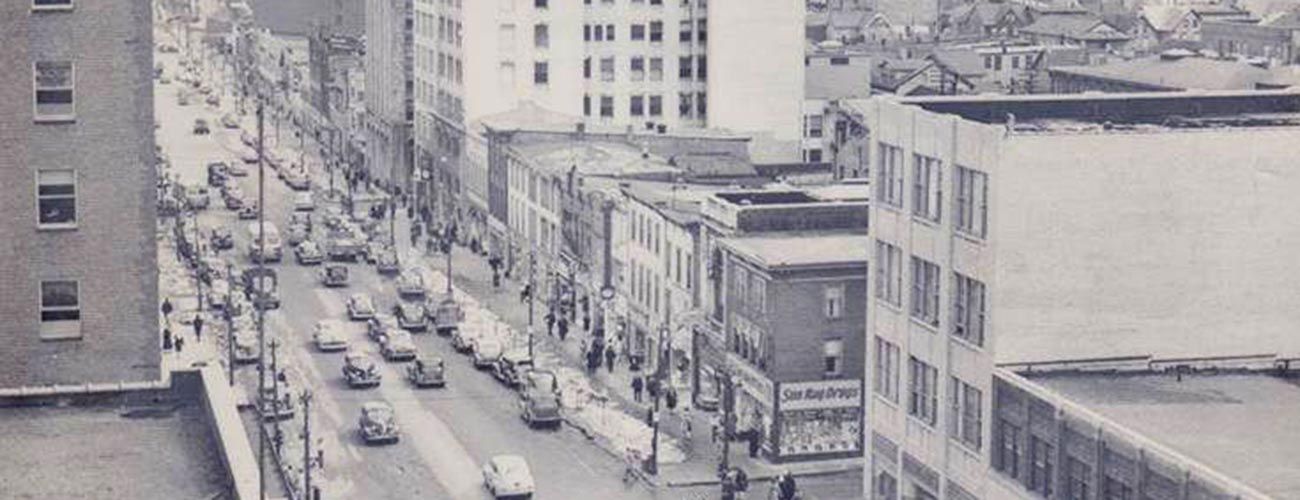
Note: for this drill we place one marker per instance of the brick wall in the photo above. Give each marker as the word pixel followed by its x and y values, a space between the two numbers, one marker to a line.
pixel 111 146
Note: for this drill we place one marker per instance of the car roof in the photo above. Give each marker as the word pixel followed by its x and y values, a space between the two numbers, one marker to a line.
pixel 510 462
pixel 372 406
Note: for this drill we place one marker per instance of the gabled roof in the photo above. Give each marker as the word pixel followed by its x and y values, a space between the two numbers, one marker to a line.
pixel 1164 18
pixel 1180 74
pixel 1075 27
pixel 961 62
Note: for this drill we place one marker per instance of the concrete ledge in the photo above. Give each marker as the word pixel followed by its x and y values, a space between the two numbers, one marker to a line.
pixel 829 471
pixel 229 429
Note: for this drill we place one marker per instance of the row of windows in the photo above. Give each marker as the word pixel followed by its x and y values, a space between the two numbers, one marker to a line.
pixel 637 68
pixel 652 31
pixel 648 105
pixel 969 313
pixel 448 30
pixel 1009 458
pixel 970 214
pixel 965 402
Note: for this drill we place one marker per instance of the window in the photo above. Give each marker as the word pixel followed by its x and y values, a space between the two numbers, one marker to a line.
pixel 541 74
pixel 60 310
pixel 1115 489
pixel 586 67
pixel 927 195
pixel 988 62
pixel 51 4
pixel 757 293
pixel 684 68
pixel 586 105
pixel 889 273
pixel 839 61
pixel 833 354
pixel 703 29
pixel 638 68
pixel 607 106
pixel 638 32
pixel 925 291
pixel 968 309
pixel 656 105
pixel 997 63
pixel 685 35
pixel 923 401
pixel 586 32
pixel 834 301
pixel 889 176
pixel 885 380
pixel 972 202
pixel 56 199
pixel 702 104
pixel 1078 479
pixel 54 82
pixel 814 155
pixel 607 69
pixel 702 69
pixel 636 105
pixel 886 487
pixel 684 104
pixel 1015 62
pixel 656 31
pixel 656 69
pixel 656 2
pixel 541 36
pixel 1041 469
pixel 609 32
pixel 814 125
pixel 739 282
pixel 1007 451
pixel 966 419
pixel 541 4
pixel 598 33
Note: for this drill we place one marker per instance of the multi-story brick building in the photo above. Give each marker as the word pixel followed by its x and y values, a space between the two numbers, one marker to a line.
pixel 390 92
pixel 77 187
pixel 1011 229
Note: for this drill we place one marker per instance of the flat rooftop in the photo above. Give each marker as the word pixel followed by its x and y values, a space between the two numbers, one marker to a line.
pixel 597 158
pixel 1243 425
pixel 110 451
pixel 1120 112
pixel 802 249
pixel 767 197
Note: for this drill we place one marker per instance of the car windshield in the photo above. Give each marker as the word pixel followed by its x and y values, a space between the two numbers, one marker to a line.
pixel 512 466
pixel 379 413
pixel 337 272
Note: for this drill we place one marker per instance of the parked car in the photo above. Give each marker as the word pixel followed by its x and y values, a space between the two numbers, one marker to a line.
pixel 334 275
pixel 248 139
pixel 462 340
pixel 196 196
pixel 386 262
pixel 410 316
pixel 248 211
pixel 398 346
pixel 303 202
pixel 229 120
pixel 234 199
pixel 218 291
pixel 411 283
pixel 539 398
pixel 427 372
pixel 486 352
pixel 508 476
pixel 249 156
pixel 246 347
pixel 217 175
pixel 308 254
pixel 380 325
pixel 237 170
pixel 201 126
pixel 297 179
pixel 360 307
pixel 445 314
pixel 221 238
pixel 360 371
pixel 299 233
pixel 377 423
pixel 510 367
pixel 328 336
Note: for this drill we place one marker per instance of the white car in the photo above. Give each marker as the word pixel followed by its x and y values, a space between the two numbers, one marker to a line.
pixel 360 307
pixel 410 283
pixel 398 346
pixel 328 336
pixel 303 202
pixel 486 352
pixel 508 476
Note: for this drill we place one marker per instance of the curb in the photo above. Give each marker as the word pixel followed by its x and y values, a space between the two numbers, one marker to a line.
pixel 760 477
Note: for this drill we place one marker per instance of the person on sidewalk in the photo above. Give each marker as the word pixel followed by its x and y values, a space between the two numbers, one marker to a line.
pixel 610 358
pixel 586 323
pixel 785 486
pixel 198 327
pixel 687 431
pixel 637 385
pixel 755 440
pixel 716 428
pixel 180 342
pixel 167 310
pixel 563 326
pixel 550 323
pixel 525 292
pixel 167 338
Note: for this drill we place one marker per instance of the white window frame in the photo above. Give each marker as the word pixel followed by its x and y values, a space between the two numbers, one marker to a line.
pixel 833 301
pixel 39 198
pixel 922 381
pixel 927 190
pixel 972 210
pixel 925 291
pixel 889 273
pixel 832 357
pixel 885 380
pixel 58 329
pixel 54 118
pixel 966 413
pixel 970 309
pixel 67 5
pixel 889 176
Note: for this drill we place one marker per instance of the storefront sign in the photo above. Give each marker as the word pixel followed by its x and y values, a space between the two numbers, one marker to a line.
pixel 821 394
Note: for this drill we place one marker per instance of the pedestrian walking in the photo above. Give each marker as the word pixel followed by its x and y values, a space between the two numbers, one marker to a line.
pixel 715 428
pixel 610 358
pixel 637 386
pixel 688 429
pixel 563 326
pixel 755 440
pixel 198 328
pixel 180 342
pixel 586 322
pixel 550 323
pixel 786 489
pixel 167 309
pixel 525 292
pixel 167 338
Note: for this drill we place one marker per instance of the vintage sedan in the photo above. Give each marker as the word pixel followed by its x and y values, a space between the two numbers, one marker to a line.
pixel 328 336
pixel 378 423
pixel 507 476
pixel 427 372
pixel 360 307
pixel 380 325
pixel 511 366
pixel 411 283
pixel 308 254
pixel 386 262
pixel 222 239
pixel 398 346
pixel 334 275
pixel 360 371
pixel 486 352
pixel 410 316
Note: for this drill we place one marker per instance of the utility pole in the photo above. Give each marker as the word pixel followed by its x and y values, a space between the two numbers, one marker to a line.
pixel 305 398
pixel 230 324
pixel 275 393
pixel 259 288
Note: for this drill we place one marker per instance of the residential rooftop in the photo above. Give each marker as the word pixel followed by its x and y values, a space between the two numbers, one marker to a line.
pixel 1174 70
pixel 110 450
pixel 596 158
pixel 529 116
pixel 802 249
pixel 1240 424
pixel 1118 112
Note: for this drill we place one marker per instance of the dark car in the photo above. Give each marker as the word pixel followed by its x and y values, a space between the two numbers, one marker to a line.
pixel 201 127
pixel 218 174
pixel 511 366
pixel 222 239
